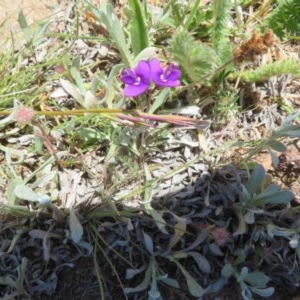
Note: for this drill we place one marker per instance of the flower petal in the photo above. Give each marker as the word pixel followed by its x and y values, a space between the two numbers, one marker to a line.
pixel 156 69
pixel 169 78
pixel 169 83
pixel 135 90
pixel 128 76
pixel 174 74
pixel 143 71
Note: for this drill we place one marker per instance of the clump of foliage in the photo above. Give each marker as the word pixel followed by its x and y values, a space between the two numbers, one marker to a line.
pixel 283 18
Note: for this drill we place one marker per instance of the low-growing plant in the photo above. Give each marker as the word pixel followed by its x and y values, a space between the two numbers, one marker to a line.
pixel 273 143
pixel 250 282
pixel 282 18
pixel 255 195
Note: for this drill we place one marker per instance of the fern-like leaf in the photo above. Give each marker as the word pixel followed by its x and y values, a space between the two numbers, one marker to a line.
pixel 220 40
pixel 287 66
pixel 198 60
pixel 285 18
pixel 221 14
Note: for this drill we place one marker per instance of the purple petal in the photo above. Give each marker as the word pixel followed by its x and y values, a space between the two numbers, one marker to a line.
pixel 174 74
pixel 156 69
pixel 169 83
pixel 136 81
pixel 135 90
pixel 143 71
pixel 128 76
pixel 168 78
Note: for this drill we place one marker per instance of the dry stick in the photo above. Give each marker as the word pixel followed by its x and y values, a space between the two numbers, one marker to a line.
pixel 74 112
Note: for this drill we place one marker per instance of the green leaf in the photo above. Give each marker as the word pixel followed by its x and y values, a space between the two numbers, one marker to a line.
pixel 9 119
pixel 201 261
pixel 26 193
pixel 227 270
pixel 194 288
pixel 242 224
pixel 72 90
pixel 283 18
pixel 75 227
pixel 95 84
pixel 293 133
pixel 264 72
pixel 130 273
pixel 198 60
pixel 257 279
pixel 137 27
pixel 143 285
pixel 192 14
pixel 169 281
pixel 267 292
pixel 159 100
pixel 154 292
pixel 158 219
pixel 254 183
pixel 270 190
pixel 40 33
pixel 246 197
pixel 277 146
pixel 24 26
pixel 246 293
pixel 78 79
pixel 286 129
pixel 10 192
pixel 110 92
pixel 244 273
pixel 148 243
pixel 249 217
pixel 282 197
pixel 179 231
pixel 290 118
pixel 274 157
pixel 105 15
pixel 44 179
pixel 273 230
pixel 221 24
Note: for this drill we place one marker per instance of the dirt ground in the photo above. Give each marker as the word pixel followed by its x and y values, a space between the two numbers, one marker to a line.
pixel 33 10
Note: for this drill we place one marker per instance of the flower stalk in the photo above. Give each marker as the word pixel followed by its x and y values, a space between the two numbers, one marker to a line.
pixel 135 116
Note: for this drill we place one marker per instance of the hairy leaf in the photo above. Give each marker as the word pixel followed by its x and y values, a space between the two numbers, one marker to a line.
pixel 198 60
pixel 264 72
pixel 221 25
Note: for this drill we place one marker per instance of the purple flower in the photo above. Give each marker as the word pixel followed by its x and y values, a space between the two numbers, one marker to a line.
pixel 168 77
pixel 137 80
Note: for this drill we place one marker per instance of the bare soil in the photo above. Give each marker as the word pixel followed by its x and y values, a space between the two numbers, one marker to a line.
pixel 33 10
